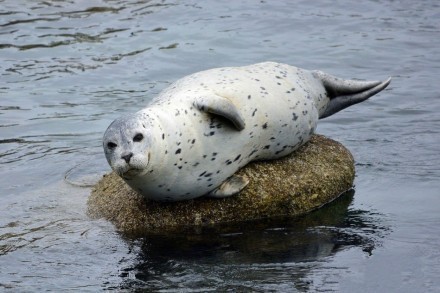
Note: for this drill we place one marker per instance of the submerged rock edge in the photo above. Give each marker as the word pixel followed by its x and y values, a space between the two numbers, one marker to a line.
pixel 312 176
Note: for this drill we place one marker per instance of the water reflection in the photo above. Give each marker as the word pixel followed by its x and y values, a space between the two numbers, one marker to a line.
pixel 221 256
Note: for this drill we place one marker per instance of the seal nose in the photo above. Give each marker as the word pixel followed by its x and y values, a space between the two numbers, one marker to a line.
pixel 127 157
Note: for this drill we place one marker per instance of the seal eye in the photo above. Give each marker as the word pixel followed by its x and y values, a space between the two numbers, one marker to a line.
pixel 138 137
pixel 111 145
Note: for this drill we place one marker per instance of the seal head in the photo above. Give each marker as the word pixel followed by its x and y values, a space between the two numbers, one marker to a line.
pixel 127 143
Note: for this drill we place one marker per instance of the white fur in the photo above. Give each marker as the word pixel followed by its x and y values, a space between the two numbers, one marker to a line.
pixel 186 152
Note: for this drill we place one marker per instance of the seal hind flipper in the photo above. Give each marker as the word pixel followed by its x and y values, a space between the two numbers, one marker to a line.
pixel 221 106
pixel 344 93
pixel 230 186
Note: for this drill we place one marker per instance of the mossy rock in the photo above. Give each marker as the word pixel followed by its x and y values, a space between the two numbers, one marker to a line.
pixel 312 176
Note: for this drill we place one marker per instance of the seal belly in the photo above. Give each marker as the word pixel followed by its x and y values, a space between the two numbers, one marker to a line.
pixel 198 155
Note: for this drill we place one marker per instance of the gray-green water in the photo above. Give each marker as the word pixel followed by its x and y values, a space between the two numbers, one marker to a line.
pixel 68 68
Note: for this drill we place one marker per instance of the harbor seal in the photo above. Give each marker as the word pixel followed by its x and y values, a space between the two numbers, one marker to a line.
pixel 192 138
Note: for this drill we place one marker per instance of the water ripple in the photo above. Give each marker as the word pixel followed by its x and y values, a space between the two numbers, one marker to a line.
pixel 68 68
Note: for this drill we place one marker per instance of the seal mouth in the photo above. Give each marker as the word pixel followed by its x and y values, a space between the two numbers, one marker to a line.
pixel 130 173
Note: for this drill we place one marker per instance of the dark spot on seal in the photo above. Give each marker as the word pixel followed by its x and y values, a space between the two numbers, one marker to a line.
pixel 204 172
pixel 253 113
pixel 305 112
pixel 249 97
pixel 253 152
pixel 193 141
pixel 267 147
pixel 180 167
pixel 196 164
pixel 264 125
pixel 228 162
pixel 208 175
pixel 163 136
pixel 295 117
pixel 238 157
pixel 178 151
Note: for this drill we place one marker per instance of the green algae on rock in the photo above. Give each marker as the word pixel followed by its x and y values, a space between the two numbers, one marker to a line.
pixel 312 176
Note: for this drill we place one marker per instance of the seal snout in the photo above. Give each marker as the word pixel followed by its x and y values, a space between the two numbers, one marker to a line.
pixel 127 157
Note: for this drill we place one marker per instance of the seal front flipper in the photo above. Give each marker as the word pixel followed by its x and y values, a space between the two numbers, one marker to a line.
pixel 231 186
pixel 221 106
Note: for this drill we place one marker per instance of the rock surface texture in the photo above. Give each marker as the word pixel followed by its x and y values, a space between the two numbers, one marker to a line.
pixel 312 176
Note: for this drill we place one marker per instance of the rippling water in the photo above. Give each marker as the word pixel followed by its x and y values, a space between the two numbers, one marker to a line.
pixel 68 68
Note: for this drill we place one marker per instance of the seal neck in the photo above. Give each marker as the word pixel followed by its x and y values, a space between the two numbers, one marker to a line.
pixel 158 146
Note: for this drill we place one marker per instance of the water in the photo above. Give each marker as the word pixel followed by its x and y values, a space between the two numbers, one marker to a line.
pixel 68 68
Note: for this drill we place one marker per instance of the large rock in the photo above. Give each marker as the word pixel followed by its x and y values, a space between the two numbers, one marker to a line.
pixel 314 175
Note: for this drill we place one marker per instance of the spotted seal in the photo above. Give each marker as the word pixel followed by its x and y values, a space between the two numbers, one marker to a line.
pixel 198 132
